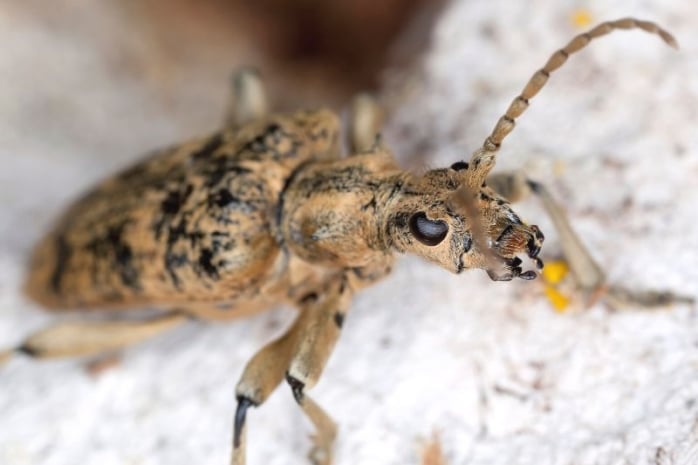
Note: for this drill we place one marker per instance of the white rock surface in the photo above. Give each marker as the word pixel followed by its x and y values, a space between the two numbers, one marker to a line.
pixel 490 366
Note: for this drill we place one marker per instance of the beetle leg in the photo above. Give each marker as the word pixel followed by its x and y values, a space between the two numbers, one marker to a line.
pixel 263 373
pixel 365 122
pixel 588 275
pixel 326 428
pixel 248 100
pixel 321 331
pixel 80 338
pixel 299 356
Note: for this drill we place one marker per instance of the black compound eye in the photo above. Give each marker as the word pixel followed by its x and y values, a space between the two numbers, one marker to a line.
pixel 426 231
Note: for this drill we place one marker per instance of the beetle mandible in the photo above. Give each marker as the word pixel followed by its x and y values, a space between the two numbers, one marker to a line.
pixel 267 212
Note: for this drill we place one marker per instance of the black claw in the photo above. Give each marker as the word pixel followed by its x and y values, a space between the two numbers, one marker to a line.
pixel 535 187
pixel 528 275
pixel 539 263
pixel 538 233
pixel 297 387
pixel 240 414
pixel 26 350
pixel 533 248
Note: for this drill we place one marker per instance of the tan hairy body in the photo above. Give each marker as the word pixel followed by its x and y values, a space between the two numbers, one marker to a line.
pixel 266 212
pixel 190 225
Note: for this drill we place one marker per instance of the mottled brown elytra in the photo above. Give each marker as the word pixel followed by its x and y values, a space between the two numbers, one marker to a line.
pixel 266 211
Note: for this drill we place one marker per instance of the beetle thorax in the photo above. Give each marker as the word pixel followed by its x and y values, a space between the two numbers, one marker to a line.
pixel 334 213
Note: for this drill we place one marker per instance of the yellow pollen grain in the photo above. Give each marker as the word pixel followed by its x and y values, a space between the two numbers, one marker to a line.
pixel 555 271
pixel 581 17
pixel 559 301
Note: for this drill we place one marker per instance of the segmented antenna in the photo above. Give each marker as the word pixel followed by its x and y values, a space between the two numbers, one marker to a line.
pixel 506 123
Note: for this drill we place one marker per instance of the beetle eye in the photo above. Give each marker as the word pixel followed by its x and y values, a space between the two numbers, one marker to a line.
pixel 426 231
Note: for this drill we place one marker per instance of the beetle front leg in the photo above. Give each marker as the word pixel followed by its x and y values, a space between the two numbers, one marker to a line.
pixel 299 356
pixel 315 344
pixel 263 373
pixel 588 275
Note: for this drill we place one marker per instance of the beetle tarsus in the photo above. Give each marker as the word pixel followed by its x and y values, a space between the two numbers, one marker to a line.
pixel 244 403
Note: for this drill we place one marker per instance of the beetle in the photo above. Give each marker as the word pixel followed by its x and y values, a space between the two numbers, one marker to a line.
pixel 266 212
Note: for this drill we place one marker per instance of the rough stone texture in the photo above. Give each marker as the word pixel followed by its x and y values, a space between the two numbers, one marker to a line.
pixel 503 378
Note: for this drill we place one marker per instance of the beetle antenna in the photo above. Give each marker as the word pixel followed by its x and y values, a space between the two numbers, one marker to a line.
pixel 483 159
pixel 506 123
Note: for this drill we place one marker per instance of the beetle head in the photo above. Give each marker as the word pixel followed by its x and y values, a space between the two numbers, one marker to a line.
pixel 451 217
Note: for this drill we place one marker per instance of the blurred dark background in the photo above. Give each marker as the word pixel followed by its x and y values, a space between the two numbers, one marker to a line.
pixel 310 51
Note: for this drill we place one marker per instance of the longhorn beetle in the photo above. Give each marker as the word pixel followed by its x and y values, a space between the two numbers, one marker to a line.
pixel 266 212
